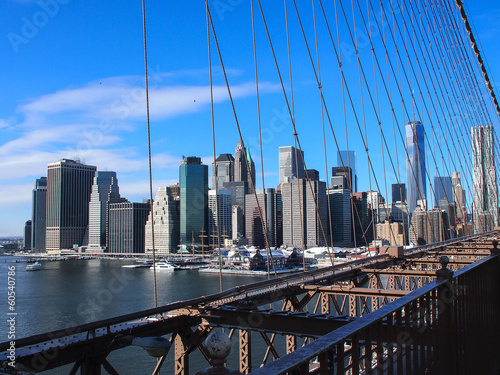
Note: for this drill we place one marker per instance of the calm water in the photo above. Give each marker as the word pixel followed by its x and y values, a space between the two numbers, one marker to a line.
pixel 73 292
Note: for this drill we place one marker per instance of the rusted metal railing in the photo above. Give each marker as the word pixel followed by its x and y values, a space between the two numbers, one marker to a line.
pixel 449 326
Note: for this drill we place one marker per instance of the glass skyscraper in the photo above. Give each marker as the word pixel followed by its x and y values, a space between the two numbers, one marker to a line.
pixel 193 180
pixel 415 165
pixel 348 159
pixel 443 189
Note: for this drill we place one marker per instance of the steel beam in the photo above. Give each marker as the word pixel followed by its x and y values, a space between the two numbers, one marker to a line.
pixel 291 323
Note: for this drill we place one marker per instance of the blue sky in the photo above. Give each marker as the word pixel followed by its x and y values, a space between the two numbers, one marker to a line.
pixel 72 76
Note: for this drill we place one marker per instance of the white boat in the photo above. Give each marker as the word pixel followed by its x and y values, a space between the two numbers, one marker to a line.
pixel 34 266
pixel 164 266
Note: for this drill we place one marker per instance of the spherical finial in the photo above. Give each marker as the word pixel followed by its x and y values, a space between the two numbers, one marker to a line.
pixel 494 243
pixel 444 260
pixel 218 345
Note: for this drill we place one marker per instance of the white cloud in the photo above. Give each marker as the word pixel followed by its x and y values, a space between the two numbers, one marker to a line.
pixel 15 194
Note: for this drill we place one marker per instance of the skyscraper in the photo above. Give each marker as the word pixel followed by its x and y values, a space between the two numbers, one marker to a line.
pixel 27 235
pixel 348 159
pixel 442 189
pixel 485 190
pixel 224 166
pixel 254 226
pixel 219 212
pixel 301 221
pixel 193 182
pixel 415 165
pixel 291 163
pixel 398 193
pixel 127 222
pixel 39 215
pixel 340 217
pixel 459 197
pixel 69 185
pixel 243 160
pixel 104 191
pixel 165 217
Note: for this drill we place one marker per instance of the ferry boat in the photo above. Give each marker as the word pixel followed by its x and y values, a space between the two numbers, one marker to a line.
pixel 34 266
pixel 164 266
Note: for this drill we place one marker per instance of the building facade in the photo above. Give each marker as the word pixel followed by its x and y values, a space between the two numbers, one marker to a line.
pixel 69 186
pixel 222 171
pixel 165 220
pixel 459 198
pixel 485 190
pixel 193 182
pixel 443 188
pixel 104 191
pixel 303 225
pixel 348 159
pixel 38 218
pixel 415 165
pixel 254 227
pixel 398 193
pixel 340 217
pixel 220 215
pixel 27 235
pixel 244 167
pixel 127 222
pixel 291 163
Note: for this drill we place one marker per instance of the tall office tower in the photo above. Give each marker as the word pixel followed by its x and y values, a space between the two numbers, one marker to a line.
pixel 279 218
pixel 484 176
pixel 238 223
pixel 340 217
pixel 224 166
pixel 428 227
pixel 254 226
pixel 243 160
pixel 348 159
pixel 127 222
pixel 363 220
pixel 346 173
pixel 291 163
pixel 223 213
pixel 443 188
pixel 69 185
pixel 459 198
pixel 104 191
pixel 398 193
pixel 165 219
pixel 27 235
pixel 415 165
pixel 193 182
pixel 451 216
pixel 301 222
pixel 38 219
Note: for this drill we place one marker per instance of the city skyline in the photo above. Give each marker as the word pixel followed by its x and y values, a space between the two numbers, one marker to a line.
pixel 68 106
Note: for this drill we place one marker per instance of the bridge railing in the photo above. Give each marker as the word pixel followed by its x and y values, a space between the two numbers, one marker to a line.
pixel 449 326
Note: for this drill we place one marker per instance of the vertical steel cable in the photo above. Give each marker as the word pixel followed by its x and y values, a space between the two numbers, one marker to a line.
pixel 213 143
pixel 151 202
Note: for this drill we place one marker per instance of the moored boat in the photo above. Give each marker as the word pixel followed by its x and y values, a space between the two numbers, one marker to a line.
pixel 34 266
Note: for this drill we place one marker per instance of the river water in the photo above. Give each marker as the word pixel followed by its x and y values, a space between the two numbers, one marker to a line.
pixel 68 293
